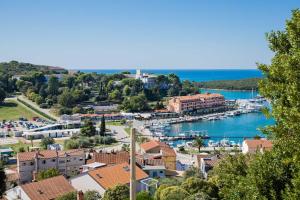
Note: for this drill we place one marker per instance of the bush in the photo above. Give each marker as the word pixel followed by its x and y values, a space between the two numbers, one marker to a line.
pixel 68 196
pixel 47 174
pixel 144 196
pixel 64 110
pixel 84 142
pixel 46 141
pixel 174 193
pixel 71 144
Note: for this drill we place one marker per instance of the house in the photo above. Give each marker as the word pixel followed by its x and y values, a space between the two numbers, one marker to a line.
pixel 111 158
pixel 67 162
pixel 104 178
pixel 47 189
pixel 208 163
pixel 252 146
pixel 153 165
pixel 160 150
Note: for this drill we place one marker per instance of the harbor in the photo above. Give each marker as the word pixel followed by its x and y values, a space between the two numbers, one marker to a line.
pixel 224 129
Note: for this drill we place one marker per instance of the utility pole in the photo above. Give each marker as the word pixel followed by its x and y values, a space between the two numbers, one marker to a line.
pixel 132 165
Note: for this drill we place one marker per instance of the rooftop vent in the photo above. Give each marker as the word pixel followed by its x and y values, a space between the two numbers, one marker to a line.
pixel 99 176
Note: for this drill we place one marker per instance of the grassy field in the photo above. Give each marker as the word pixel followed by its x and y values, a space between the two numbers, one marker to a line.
pixel 12 110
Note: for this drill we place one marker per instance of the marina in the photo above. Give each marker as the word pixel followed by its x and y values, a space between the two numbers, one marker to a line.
pixel 225 129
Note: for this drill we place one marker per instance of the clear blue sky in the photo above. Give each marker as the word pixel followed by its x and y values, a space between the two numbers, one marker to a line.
pixel 147 33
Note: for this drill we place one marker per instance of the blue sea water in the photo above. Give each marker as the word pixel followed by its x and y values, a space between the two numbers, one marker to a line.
pixel 192 75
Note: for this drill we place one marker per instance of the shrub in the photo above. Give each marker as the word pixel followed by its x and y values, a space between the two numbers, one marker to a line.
pixel 71 144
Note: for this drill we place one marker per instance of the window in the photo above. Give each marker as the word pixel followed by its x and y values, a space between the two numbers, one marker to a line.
pixel 44 161
pixel 24 164
pixel 31 163
pixel 53 160
pixel 161 172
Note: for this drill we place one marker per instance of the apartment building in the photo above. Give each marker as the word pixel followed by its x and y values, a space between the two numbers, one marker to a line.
pixel 67 162
pixel 205 103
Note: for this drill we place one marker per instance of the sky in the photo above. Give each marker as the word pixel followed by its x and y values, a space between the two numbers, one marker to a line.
pixel 158 34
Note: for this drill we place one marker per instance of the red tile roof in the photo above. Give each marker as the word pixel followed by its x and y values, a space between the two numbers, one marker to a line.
pixel 150 145
pixel 48 154
pixel 262 143
pixel 48 189
pixel 111 176
pixel 165 148
pixel 111 158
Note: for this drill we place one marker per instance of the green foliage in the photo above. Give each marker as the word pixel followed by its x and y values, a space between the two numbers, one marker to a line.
pixel 66 99
pixel 174 193
pixel 92 195
pixel 192 172
pixel 119 192
pixel 195 185
pixel 71 144
pixel 2 95
pixel 243 84
pixel 46 141
pixel 102 126
pixel 68 196
pixel 53 85
pixel 144 196
pixel 199 196
pixel 198 142
pixel 135 104
pixel 2 179
pixel 88 129
pixel 14 67
pixel 47 174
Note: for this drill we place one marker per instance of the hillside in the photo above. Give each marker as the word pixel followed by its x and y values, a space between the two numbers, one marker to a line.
pixel 243 84
pixel 18 68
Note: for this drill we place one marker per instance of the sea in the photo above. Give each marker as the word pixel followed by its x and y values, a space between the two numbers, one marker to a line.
pixel 232 128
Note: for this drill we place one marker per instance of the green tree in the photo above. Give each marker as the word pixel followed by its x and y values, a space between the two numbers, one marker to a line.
pixel 53 85
pixel 174 193
pixel 119 192
pixel 68 196
pixel 47 174
pixel 143 195
pixel 66 99
pixel 31 139
pixel 46 141
pixel 198 142
pixel 102 126
pixel 195 185
pixel 192 172
pixel 2 179
pixel 2 95
pixel 135 103
pixel 88 129
pixel 92 195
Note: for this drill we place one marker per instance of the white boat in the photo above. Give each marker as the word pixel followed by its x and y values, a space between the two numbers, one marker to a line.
pixel 211 143
pixel 189 144
pixel 225 143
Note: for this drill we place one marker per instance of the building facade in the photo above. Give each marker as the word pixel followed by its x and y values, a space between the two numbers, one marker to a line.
pixel 67 162
pixel 205 103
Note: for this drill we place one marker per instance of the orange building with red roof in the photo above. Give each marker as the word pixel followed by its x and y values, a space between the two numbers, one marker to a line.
pixel 200 102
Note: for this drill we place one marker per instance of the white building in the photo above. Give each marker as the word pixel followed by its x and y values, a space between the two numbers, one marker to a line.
pixel 67 162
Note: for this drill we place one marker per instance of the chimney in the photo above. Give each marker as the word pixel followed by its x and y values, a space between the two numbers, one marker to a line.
pixel 80 195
